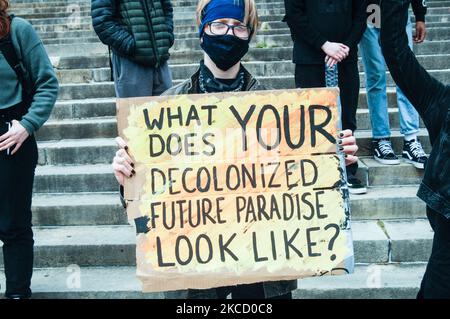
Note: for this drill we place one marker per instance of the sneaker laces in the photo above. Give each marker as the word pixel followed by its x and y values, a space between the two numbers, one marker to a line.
pixel 416 149
pixel 385 147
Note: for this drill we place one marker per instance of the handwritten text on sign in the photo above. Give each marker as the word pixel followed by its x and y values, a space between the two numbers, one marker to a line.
pixel 235 188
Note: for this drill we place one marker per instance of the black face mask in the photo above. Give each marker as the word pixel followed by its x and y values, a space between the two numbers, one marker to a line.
pixel 224 50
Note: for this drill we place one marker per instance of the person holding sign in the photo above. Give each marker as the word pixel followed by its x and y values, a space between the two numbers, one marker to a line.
pixel 226 28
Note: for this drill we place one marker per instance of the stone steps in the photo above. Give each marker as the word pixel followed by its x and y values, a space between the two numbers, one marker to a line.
pixel 181 31
pixel 84 108
pixel 190 39
pixel 190 20
pixel 175 3
pixel 376 174
pixel 106 107
pixel 374 242
pixel 66 169
pixel 391 281
pixel 369 281
pixel 106 89
pixel 254 56
pixel 433 33
pixel 90 209
pixel 285 50
pixel 101 150
pixel 257 68
pixel 60 7
pixel 107 127
pixel 267 41
pixel 78 129
pixel 78 209
pixel 77 151
pixel 264 8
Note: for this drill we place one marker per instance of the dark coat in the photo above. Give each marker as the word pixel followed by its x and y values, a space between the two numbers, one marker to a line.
pixel 314 22
pixel 419 8
pixel 430 97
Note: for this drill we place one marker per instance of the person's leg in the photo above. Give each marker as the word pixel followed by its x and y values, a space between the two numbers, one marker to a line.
pixel 409 121
pixel 162 79
pixel 375 70
pixel 250 291
pixel 436 281
pixel 131 79
pixel 17 175
pixel 409 118
pixel 309 76
pixel 287 296
pixel 254 291
pixel 349 87
pixel 212 293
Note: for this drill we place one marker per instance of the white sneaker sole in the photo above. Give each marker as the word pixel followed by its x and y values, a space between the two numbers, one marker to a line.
pixel 387 162
pixel 415 164
pixel 357 191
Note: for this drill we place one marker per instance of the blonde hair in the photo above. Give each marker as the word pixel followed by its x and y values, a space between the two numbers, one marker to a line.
pixel 250 17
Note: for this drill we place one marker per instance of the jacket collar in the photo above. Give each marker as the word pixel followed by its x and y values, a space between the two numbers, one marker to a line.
pixel 251 83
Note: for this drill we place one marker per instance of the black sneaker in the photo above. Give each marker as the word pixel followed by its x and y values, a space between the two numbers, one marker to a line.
pixel 355 186
pixel 383 152
pixel 413 153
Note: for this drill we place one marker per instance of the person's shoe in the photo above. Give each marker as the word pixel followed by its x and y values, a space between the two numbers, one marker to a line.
pixel 383 152
pixel 18 295
pixel 355 186
pixel 414 154
pixel 14 296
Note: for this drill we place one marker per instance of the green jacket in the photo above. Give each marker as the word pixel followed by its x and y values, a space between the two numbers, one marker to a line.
pixel 38 70
pixel 271 288
pixel 140 30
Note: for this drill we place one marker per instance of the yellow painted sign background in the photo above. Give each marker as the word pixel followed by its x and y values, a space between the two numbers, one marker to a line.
pixel 229 205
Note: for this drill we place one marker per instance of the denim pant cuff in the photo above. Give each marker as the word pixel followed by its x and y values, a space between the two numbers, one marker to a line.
pixel 409 132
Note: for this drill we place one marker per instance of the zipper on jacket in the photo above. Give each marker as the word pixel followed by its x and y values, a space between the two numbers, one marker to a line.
pixel 150 26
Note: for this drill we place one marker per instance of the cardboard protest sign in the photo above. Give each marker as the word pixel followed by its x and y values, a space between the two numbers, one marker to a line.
pixel 236 188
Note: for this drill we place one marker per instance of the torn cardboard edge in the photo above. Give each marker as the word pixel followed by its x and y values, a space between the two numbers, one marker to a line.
pixel 157 282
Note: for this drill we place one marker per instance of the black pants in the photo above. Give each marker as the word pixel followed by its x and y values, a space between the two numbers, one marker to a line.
pixel 436 281
pixel 16 185
pixel 250 291
pixel 313 76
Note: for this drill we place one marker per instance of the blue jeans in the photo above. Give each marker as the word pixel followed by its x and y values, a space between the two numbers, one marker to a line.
pixel 375 68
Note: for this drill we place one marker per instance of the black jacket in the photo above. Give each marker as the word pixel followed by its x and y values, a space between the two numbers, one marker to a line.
pixel 430 97
pixel 141 30
pixel 419 8
pixel 313 22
